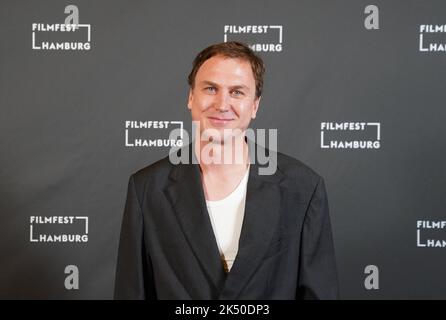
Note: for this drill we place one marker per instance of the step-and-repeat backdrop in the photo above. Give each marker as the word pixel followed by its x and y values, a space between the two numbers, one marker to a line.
pixel 89 91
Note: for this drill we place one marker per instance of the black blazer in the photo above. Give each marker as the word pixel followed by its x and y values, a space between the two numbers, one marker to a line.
pixel 168 249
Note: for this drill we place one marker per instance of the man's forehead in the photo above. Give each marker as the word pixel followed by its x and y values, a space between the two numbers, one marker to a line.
pixel 221 66
pixel 227 61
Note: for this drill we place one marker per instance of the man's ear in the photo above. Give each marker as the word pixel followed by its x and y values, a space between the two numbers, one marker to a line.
pixel 256 107
pixel 189 99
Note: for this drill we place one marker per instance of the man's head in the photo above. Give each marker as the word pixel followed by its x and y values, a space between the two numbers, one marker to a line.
pixel 226 84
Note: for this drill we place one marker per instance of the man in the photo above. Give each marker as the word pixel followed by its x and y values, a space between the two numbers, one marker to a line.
pixel 222 230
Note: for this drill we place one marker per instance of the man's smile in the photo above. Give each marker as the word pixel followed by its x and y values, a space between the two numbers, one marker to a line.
pixel 219 121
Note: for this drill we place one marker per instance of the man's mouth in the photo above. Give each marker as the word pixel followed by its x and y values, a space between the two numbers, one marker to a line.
pixel 219 121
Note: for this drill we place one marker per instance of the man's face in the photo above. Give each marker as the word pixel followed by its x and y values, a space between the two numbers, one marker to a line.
pixel 223 96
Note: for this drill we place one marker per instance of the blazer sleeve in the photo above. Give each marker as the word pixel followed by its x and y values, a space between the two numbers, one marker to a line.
pixel 134 278
pixel 317 267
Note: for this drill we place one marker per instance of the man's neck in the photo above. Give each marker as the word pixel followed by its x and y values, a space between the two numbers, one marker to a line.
pixel 222 158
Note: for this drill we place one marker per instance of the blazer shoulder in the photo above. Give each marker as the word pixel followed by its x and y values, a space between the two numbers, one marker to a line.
pixel 296 172
pixel 157 173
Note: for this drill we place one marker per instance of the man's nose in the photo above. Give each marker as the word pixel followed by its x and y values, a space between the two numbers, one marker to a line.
pixel 222 102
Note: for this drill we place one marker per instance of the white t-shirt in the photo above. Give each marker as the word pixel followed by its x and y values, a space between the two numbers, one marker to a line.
pixel 226 216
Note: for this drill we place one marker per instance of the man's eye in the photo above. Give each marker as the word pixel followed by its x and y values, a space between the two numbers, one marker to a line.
pixel 237 93
pixel 210 89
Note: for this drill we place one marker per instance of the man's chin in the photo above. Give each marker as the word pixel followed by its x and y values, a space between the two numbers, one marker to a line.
pixel 221 133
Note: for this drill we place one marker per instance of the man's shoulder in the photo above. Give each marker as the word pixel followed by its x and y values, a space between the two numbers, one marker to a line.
pixel 297 172
pixel 156 172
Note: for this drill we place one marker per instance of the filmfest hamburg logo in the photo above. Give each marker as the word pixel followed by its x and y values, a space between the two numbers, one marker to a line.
pixel 431 234
pixel 432 38
pixel 70 35
pixel 260 38
pixel 153 133
pixel 58 229
pixel 350 135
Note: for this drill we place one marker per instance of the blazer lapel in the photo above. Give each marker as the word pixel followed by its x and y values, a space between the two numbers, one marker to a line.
pixel 262 212
pixel 187 198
